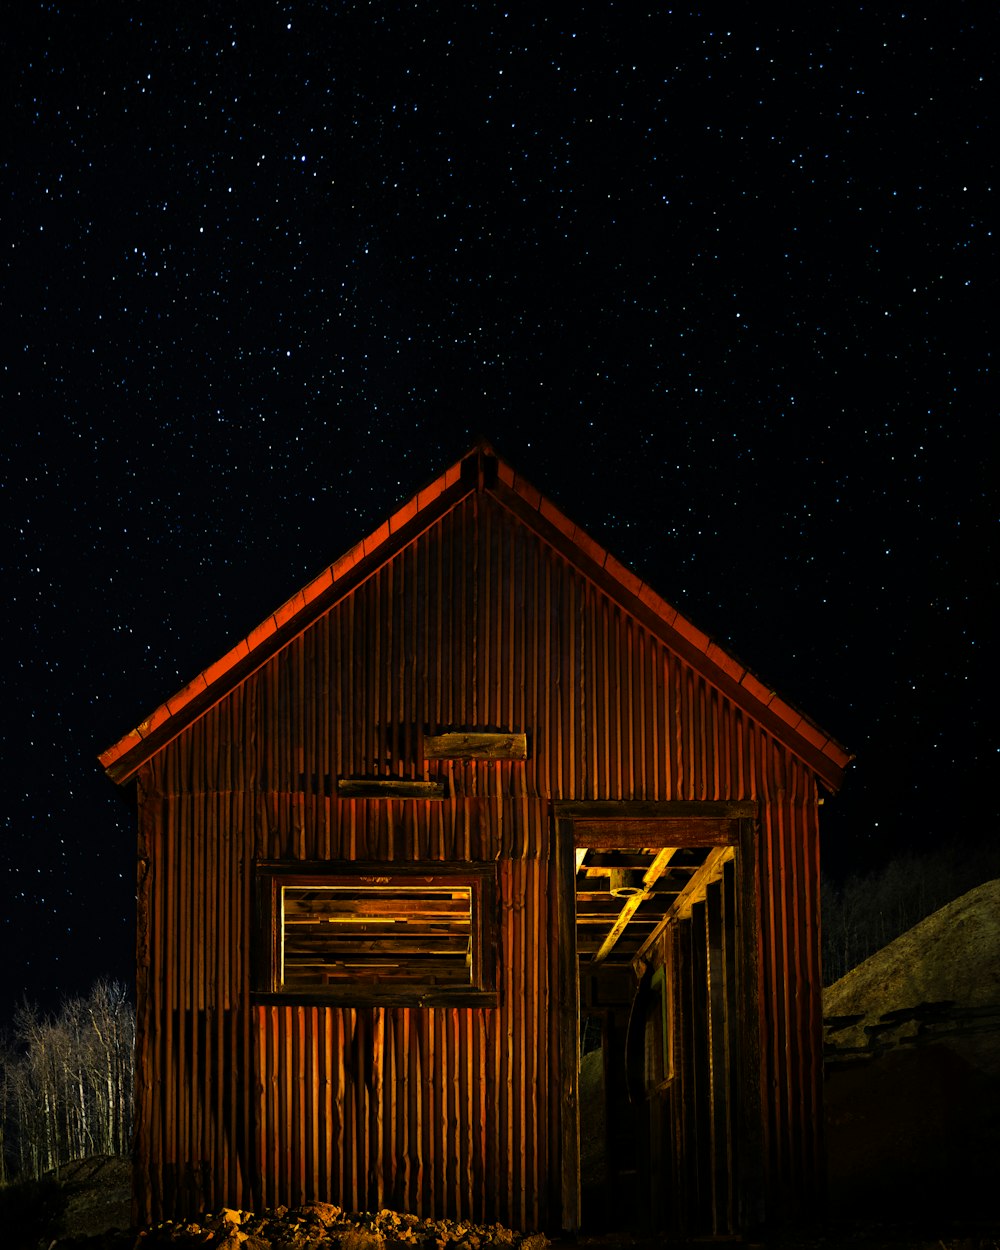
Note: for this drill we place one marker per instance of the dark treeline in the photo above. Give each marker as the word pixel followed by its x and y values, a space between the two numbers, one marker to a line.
pixel 66 1083
pixel 868 910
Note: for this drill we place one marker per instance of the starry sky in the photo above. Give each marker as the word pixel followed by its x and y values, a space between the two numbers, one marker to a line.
pixel 722 292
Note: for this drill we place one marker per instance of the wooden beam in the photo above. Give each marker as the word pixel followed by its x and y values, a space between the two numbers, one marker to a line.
pixel 605 859
pixel 476 746
pixel 313 874
pixel 568 1007
pixel 631 809
pixel 752 1151
pixel 356 992
pixel 618 835
pixel 680 909
pixel 650 877
pixel 709 870
pixel 388 788
pixel 594 908
pixel 318 910
pixel 656 868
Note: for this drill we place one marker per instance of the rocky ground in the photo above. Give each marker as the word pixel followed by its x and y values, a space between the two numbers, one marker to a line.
pixel 88 1206
pixel 322 1226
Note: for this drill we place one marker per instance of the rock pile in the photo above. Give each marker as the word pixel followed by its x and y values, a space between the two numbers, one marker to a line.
pixel 322 1226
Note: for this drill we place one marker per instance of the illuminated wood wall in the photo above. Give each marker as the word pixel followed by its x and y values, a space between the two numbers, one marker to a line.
pixel 477 623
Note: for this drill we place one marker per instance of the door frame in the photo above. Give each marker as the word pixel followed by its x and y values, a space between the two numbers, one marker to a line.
pixel 678 823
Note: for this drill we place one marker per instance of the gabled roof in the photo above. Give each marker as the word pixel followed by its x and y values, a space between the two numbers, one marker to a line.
pixel 479 470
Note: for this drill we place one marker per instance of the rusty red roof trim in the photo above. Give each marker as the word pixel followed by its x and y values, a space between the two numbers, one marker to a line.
pixel 402 515
pixel 257 635
pixel 376 539
pixel 408 512
pixel 559 519
pixel 622 574
pixel 812 733
pixel 695 637
pixel 762 694
pixel 218 669
pixel 154 721
pixel 725 661
pixel 656 603
pixel 698 638
pixel 430 493
pixel 736 671
pixel 341 567
pixel 588 546
pixel 186 694
pixel 527 492
pixel 131 740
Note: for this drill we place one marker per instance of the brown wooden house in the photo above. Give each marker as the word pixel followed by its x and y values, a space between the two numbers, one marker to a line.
pixel 478 882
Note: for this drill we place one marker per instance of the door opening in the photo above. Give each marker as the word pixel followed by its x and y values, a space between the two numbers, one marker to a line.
pixel 662 1018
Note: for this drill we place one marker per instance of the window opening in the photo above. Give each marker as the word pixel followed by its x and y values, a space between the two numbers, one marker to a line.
pixel 355 933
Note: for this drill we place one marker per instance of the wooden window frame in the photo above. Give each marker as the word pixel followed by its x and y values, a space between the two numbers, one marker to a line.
pixel 481 879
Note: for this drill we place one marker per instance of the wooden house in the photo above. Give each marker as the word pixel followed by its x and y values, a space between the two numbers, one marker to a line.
pixel 473 871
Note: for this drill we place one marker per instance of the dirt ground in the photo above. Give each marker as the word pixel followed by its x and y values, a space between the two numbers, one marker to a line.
pixel 83 1201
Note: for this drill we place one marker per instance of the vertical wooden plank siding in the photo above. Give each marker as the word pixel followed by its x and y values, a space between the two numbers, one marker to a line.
pixel 476 624
pixel 409 1123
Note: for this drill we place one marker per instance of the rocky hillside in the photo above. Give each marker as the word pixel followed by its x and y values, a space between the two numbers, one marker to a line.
pixel 953 955
pixel 913 1070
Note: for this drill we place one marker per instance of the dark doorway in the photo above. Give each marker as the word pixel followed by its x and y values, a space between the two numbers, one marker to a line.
pixel 660 996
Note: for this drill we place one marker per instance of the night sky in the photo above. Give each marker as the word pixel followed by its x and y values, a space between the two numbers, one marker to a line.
pixel 722 292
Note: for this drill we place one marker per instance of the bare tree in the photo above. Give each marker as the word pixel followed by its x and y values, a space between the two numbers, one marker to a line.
pixel 66 1083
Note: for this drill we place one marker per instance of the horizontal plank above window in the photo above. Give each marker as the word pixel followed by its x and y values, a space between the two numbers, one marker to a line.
pixel 389 788
pixel 396 995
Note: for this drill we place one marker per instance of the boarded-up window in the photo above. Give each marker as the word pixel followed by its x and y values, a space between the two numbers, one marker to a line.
pixel 356 933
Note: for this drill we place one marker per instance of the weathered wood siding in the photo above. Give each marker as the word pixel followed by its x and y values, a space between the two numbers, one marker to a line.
pixel 477 623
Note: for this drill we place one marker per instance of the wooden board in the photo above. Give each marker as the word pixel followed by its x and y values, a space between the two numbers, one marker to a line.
pixel 389 788
pixel 476 746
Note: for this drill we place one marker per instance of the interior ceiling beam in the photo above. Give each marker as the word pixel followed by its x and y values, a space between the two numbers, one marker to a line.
pixel 604 861
pixel 608 907
pixel 649 879
pixel 680 909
